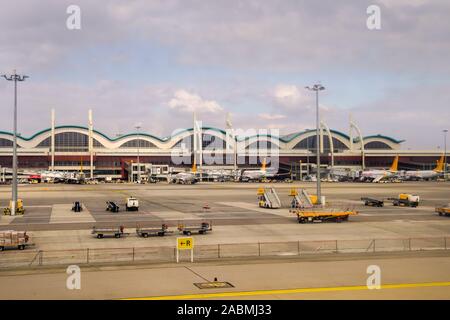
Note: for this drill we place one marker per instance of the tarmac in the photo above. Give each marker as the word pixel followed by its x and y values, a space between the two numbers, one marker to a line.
pixel 417 276
pixel 234 213
pixel 236 220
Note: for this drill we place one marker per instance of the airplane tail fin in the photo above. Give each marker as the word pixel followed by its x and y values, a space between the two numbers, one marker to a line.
pixel 263 166
pixel 439 164
pixel 194 167
pixel 394 166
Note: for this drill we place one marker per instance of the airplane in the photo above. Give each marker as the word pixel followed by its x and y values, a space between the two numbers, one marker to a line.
pixel 220 175
pixel 63 177
pixel 75 177
pixel 254 175
pixel 426 174
pixel 185 177
pixel 343 174
pixel 55 176
pixel 378 175
pixel 260 174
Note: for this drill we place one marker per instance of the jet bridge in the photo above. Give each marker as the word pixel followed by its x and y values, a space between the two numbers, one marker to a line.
pixel 268 198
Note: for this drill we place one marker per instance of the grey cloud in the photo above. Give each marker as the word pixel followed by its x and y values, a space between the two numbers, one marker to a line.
pixel 274 35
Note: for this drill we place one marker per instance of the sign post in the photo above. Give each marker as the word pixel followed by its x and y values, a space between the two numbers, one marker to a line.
pixel 185 243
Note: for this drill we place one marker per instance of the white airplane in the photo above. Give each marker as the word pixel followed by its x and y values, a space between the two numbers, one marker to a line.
pixel 257 175
pixel 185 177
pixel 52 175
pixel 426 174
pixel 221 175
pixel 381 174
pixel 60 176
pixel 343 174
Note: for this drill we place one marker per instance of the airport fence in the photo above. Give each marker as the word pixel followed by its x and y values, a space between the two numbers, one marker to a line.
pixel 90 256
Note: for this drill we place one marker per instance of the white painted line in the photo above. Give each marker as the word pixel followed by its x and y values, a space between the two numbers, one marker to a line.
pixel 62 213
pixel 393 214
pixel 49 206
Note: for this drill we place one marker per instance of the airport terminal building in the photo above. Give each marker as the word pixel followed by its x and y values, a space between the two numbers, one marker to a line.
pixel 75 148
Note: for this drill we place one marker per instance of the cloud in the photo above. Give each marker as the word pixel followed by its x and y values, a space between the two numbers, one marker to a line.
pixel 236 52
pixel 295 35
pixel 288 96
pixel 268 116
pixel 116 108
pixel 187 102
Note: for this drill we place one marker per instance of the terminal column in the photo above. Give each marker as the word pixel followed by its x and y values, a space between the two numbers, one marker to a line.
pixel 91 145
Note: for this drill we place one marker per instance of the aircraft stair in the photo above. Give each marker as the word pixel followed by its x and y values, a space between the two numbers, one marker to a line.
pixel 269 199
pixel 300 200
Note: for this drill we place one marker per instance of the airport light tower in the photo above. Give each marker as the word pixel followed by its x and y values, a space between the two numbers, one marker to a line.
pixel 14 77
pixel 445 153
pixel 317 88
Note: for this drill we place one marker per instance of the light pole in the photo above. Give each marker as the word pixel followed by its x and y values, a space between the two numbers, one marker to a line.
pixel 138 151
pixel 14 77
pixel 307 154
pixel 445 153
pixel 317 88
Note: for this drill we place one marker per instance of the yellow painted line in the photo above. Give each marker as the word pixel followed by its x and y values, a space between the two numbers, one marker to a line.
pixel 290 291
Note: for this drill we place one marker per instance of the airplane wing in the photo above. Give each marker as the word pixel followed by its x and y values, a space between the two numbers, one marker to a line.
pixel 378 178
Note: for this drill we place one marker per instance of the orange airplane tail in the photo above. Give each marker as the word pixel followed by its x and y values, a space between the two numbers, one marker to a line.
pixel 439 165
pixel 394 166
pixel 194 167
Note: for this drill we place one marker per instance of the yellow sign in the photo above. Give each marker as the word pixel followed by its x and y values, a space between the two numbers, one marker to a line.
pixel 185 243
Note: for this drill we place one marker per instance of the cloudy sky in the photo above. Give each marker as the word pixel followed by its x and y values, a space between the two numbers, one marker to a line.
pixel 155 62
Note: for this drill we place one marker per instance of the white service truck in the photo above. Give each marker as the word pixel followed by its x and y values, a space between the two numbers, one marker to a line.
pixel 132 204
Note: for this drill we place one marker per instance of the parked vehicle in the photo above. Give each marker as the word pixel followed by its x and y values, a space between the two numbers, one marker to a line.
pixel 14 239
pixel 406 200
pixel 117 232
pixel 444 210
pixel 132 204
pixel 322 216
pixel 112 206
pixel 19 208
pixel 188 230
pixel 372 202
pixel 77 206
pixel 148 231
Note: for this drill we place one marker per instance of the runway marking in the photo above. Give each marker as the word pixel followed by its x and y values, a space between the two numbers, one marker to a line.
pixel 42 206
pixel 5 220
pixel 290 291
pixel 393 214
pixel 62 213
pixel 283 212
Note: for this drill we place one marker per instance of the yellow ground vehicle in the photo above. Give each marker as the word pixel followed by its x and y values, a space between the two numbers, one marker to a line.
pixel 304 216
pixel 19 208
pixel 444 210
pixel 406 200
